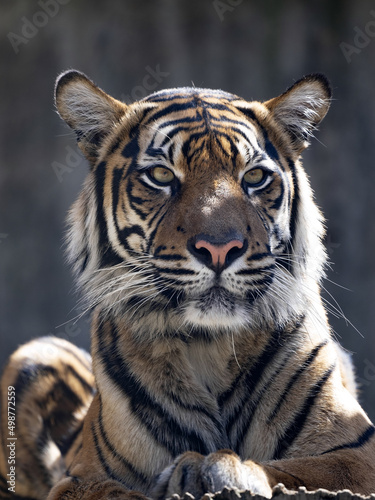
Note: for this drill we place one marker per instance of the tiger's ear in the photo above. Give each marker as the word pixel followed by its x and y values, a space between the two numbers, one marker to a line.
pixel 301 108
pixel 89 111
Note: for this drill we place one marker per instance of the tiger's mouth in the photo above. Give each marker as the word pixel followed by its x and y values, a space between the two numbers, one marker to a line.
pixel 228 303
pixel 216 308
pixel 216 297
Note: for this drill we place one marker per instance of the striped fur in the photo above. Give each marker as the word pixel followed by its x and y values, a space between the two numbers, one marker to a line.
pixel 208 373
pixel 54 387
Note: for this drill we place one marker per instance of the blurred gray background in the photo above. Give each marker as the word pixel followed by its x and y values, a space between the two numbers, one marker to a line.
pixel 252 48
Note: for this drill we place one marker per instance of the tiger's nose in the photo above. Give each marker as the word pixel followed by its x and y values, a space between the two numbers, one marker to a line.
pixel 217 256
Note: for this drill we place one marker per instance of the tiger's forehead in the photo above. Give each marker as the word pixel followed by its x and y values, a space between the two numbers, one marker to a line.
pixel 199 122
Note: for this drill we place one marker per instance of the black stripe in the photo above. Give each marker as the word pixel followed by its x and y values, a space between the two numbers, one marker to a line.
pixel 169 257
pixel 149 307
pixel 58 391
pixel 125 233
pixel 233 149
pixel 223 119
pixel 258 256
pixel 155 152
pixel 85 256
pixel 262 282
pixel 139 476
pixel 155 216
pixel 237 131
pixel 139 201
pixel 171 150
pixel 185 272
pixel 173 108
pixel 30 374
pixel 280 246
pixel 159 249
pixel 102 460
pixel 135 202
pixel 259 270
pixel 249 113
pixel 246 382
pixel 173 296
pixel 249 409
pixel 298 423
pixel 186 119
pixel 187 143
pixel 276 232
pixel 211 105
pixel 161 424
pixel 239 382
pixel 268 146
pixel 114 145
pixel 131 149
pixel 294 210
pixel 154 231
pixel 174 132
pixel 173 282
pixel 276 203
pixel 363 439
pixel 107 256
pixel 265 215
pixel 305 365
pixel 85 385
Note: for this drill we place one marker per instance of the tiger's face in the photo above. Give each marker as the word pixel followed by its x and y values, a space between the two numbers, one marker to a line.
pixel 190 214
pixel 207 205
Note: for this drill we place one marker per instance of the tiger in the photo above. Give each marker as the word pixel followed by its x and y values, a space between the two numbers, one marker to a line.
pixel 198 247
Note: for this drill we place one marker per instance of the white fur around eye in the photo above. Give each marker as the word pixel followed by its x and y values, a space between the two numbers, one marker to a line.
pixel 167 188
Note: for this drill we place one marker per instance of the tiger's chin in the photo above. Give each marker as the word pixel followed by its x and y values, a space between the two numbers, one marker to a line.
pixel 216 309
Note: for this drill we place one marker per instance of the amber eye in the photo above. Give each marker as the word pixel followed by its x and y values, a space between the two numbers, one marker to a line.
pixel 255 177
pixel 161 175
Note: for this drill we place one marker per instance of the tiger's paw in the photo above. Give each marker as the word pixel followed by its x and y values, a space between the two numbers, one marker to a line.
pixel 196 474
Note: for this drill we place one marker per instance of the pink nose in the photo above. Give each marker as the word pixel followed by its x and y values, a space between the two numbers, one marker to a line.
pixel 218 253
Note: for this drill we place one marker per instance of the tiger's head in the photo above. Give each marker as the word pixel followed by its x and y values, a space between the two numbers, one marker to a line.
pixel 196 215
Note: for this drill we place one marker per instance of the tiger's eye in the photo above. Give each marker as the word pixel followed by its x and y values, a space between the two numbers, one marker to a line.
pixel 254 177
pixel 162 175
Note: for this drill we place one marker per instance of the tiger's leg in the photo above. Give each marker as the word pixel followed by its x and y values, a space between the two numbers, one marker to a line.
pixel 51 386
